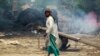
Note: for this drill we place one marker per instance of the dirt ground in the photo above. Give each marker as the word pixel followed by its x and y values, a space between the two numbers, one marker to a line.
pixel 32 46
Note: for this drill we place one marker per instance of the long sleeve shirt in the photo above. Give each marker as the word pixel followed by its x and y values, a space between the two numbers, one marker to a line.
pixel 52 29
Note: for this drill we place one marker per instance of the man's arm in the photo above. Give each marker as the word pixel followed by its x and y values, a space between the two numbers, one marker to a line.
pixel 49 25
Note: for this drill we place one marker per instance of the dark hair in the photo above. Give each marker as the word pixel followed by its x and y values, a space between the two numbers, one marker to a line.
pixel 49 11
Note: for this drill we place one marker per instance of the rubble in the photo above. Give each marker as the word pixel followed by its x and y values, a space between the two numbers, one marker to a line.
pixel 9 42
pixel 1 34
pixel 2 41
pixel 13 43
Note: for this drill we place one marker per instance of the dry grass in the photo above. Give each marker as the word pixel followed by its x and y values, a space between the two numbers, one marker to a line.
pixel 28 46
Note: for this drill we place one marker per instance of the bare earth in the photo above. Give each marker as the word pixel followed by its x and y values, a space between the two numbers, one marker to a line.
pixel 32 46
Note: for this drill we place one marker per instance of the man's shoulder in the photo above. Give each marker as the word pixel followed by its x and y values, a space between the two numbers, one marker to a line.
pixel 50 17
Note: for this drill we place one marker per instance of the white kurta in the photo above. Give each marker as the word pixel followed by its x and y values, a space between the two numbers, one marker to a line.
pixel 53 29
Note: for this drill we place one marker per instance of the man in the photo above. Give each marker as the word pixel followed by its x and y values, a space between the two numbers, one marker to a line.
pixel 53 42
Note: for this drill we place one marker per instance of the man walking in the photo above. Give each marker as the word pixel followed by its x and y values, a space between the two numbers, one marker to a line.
pixel 53 41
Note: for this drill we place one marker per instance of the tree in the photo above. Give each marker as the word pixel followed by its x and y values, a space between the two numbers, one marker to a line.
pixel 89 5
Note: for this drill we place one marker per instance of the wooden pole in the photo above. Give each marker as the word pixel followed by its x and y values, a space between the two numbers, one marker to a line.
pixel 87 42
pixel 39 42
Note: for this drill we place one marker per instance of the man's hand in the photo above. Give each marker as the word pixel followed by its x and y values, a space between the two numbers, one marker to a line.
pixel 45 35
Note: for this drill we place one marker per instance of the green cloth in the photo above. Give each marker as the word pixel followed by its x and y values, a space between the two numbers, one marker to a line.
pixel 52 48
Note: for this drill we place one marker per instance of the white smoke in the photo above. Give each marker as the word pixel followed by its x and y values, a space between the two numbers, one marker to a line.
pixel 24 7
pixel 70 20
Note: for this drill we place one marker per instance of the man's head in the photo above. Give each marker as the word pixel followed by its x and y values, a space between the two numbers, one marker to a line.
pixel 47 12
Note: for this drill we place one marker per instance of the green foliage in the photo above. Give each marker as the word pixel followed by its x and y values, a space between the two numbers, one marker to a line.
pixel 89 5
pixel 97 3
pixel 5 4
pixel 2 3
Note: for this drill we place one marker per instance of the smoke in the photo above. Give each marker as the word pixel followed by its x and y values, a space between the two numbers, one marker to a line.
pixel 70 18
pixel 77 22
